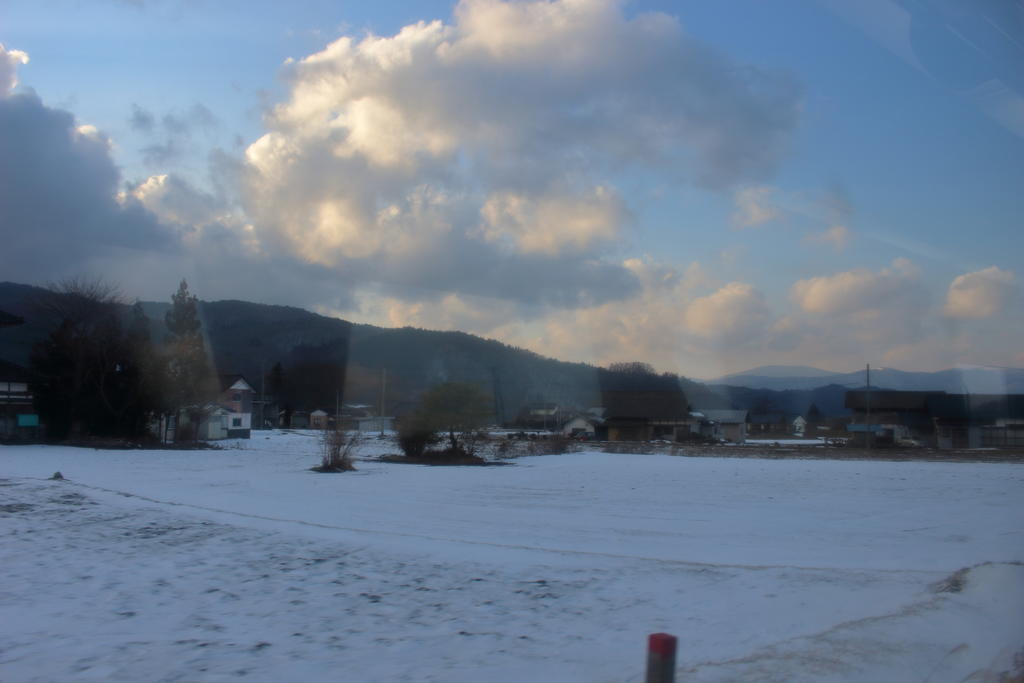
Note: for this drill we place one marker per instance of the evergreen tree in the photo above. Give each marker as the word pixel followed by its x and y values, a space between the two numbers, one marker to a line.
pixel 187 369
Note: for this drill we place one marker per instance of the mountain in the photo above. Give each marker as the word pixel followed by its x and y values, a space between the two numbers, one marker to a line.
pixel 774 371
pixel 327 359
pixel 969 379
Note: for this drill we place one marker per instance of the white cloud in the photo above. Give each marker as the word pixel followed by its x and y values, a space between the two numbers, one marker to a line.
pixel 474 158
pixel 981 294
pixel 10 60
pixel 735 314
pixel 856 290
pixel 551 224
pixel 755 206
pixel 837 237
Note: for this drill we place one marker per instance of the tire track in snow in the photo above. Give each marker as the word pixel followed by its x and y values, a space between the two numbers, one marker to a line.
pixel 492 544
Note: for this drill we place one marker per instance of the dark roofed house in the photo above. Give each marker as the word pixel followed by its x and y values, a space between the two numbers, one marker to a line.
pixel 977 420
pixel 641 407
pixel 940 419
pixel 892 416
pixel 769 423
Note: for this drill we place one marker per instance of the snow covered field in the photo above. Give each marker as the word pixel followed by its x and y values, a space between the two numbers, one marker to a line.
pixel 211 565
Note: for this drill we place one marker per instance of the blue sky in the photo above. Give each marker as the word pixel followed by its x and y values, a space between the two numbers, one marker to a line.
pixel 706 186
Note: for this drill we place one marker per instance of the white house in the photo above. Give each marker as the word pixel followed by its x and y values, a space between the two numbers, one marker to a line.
pixel 577 425
pixel 799 425
pixel 236 397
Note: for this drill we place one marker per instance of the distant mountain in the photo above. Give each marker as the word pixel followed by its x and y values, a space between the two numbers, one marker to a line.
pixel 975 380
pixel 774 371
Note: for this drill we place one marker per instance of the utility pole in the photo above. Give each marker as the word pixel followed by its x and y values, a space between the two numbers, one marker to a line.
pixel 383 388
pixel 867 401
pixel 263 393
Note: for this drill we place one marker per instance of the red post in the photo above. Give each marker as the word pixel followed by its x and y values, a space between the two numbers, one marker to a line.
pixel 661 658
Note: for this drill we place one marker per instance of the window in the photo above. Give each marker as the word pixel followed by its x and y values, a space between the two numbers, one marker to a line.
pixel 237 396
pixel 236 422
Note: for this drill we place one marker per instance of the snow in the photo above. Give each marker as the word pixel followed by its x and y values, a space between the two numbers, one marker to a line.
pixel 211 565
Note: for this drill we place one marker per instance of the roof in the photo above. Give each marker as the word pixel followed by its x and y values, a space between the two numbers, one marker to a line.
pixel 890 401
pixel 589 419
pixel 768 418
pixel 725 416
pixel 12 372
pixel 976 406
pixel 229 381
pixel 640 405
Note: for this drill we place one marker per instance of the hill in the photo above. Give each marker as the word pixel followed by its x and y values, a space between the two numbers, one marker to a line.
pixel 328 358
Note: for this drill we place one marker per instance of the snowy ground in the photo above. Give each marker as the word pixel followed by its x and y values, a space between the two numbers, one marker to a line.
pixel 211 565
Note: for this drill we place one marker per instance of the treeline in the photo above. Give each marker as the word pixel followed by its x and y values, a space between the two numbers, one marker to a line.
pixel 99 372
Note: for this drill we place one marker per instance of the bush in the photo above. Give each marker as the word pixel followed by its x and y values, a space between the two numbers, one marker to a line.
pixel 414 437
pixel 556 445
pixel 336 448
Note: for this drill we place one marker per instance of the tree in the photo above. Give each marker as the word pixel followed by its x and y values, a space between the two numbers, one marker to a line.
pixel 92 376
pixel 188 372
pixel 458 408
pixel 632 368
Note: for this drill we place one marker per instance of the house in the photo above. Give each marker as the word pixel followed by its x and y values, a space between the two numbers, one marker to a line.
pixel 318 419
pixel 236 396
pixel 892 416
pixel 643 407
pixel 718 424
pixel 18 419
pixel 939 419
pixel 579 425
pixel 799 425
pixel 978 420
pixel 215 423
pixel 540 415
pixel 294 419
pixel 768 423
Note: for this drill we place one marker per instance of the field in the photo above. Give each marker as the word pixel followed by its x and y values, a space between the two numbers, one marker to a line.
pixel 213 565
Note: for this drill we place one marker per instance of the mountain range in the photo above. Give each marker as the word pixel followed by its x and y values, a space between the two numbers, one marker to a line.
pixel 330 359
pixel 966 380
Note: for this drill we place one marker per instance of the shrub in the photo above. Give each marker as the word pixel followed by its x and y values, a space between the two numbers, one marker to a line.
pixel 556 445
pixel 414 437
pixel 336 449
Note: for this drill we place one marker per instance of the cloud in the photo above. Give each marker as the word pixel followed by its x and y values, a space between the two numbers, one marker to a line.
pixel 475 157
pixel 862 312
pixel 10 60
pixel 755 206
pixel 59 201
pixel 981 294
pixel 837 237
pixel 551 224
pixel 734 314
pixel 856 290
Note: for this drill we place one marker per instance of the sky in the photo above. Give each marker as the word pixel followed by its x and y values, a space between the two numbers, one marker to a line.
pixel 706 187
